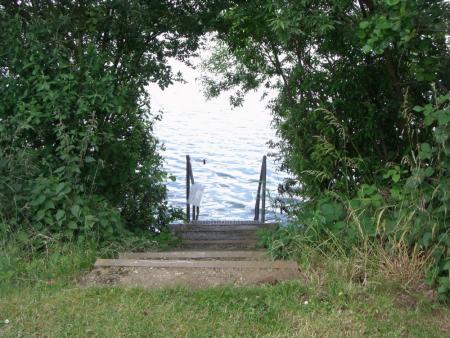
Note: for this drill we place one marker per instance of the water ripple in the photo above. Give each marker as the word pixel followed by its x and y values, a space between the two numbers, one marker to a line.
pixel 231 142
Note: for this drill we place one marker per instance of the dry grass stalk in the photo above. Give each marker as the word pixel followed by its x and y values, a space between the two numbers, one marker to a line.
pixel 403 265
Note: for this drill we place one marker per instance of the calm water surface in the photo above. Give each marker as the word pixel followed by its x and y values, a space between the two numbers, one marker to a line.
pixel 231 141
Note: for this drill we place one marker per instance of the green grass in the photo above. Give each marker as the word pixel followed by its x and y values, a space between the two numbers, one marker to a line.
pixel 278 310
pixel 42 298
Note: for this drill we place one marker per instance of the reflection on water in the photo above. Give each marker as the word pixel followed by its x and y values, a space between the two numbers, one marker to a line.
pixel 226 148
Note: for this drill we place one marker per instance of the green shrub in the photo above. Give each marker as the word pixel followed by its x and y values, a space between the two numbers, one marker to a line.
pixel 361 111
pixel 78 157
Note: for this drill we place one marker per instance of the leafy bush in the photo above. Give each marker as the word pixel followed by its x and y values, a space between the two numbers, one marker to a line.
pixel 77 153
pixel 361 114
pixel 409 203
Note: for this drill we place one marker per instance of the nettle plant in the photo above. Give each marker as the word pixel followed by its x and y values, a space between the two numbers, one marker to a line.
pixel 429 188
pixel 409 203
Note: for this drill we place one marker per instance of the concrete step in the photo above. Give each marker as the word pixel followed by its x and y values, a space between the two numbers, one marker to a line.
pixel 215 226
pixel 196 264
pixel 190 227
pixel 158 277
pixel 157 273
pixel 197 255
pixel 229 222
pixel 219 244
pixel 218 235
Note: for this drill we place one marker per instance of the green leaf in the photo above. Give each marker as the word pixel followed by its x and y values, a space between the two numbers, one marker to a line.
pixel 40 214
pixel 395 193
pixel 429 172
pixel 429 120
pixel 367 49
pixel 364 24
pixel 426 239
pixel 49 205
pixel 444 98
pixel 38 201
pixel 413 182
pixel 60 214
pixel 75 210
pixel 443 117
pixel 425 152
pixel 89 221
pixel 441 135
pixel 338 226
pixel 72 225
pixel 60 187
pixel 446 266
pixel 60 170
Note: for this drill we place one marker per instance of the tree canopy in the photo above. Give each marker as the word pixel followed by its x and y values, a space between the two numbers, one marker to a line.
pixel 76 143
pixel 362 111
pixel 345 70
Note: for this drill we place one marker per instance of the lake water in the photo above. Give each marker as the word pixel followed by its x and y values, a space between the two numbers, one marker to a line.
pixel 231 141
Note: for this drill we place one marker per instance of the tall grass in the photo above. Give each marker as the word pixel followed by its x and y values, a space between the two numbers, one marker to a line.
pixel 372 261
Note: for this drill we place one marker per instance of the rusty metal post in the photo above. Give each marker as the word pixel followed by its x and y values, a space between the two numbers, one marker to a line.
pixel 263 207
pixel 188 188
pixel 261 186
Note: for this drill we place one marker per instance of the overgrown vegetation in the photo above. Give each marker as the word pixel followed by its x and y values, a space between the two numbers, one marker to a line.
pixel 364 121
pixel 78 158
pixel 362 113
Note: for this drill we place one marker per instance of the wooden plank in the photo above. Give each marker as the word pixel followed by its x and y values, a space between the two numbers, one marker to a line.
pixel 194 255
pixel 183 228
pixel 224 241
pixel 223 224
pixel 196 264
pixel 217 246
pixel 228 222
pixel 217 235
pixel 239 233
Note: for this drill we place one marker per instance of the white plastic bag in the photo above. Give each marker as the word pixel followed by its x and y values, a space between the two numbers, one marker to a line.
pixel 195 194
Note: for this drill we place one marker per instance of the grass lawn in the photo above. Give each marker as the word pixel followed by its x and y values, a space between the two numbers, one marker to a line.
pixel 40 297
pixel 291 309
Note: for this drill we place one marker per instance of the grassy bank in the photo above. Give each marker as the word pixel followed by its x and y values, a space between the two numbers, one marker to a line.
pixel 325 302
pixel 291 309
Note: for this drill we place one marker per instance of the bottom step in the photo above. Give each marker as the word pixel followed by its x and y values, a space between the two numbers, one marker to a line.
pixel 211 275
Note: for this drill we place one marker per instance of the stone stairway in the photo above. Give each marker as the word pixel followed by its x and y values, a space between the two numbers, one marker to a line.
pixel 211 253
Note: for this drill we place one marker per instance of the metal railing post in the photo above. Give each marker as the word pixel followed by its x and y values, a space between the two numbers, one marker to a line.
pixel 189 180
pixel 261 186
pixel 263 207
pixel 188 189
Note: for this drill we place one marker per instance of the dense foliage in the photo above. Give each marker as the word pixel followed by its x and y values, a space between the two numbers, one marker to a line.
pixel 77 154
pixel 362 112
